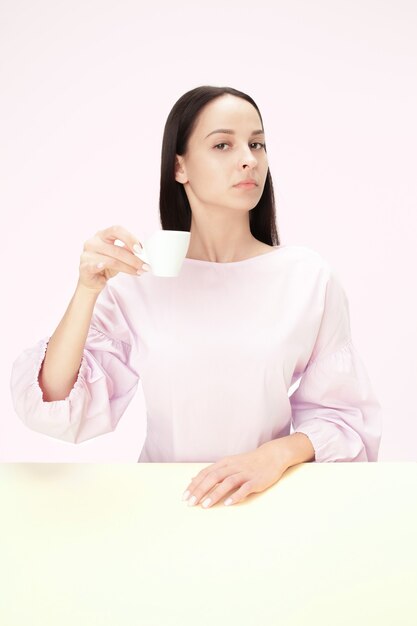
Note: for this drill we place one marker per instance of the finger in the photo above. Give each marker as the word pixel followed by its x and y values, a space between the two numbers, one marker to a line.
pixel 195 480
pixel 208 472
pixel 247 488
pixel 229 484
pixel 112 233
pixel 98 263
pixel 222 480
pixel 98 246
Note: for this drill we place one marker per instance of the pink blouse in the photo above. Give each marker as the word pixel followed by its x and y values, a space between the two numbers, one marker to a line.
pixel 218 351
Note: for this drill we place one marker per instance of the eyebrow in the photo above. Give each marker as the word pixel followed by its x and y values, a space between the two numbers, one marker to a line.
pixel 229 131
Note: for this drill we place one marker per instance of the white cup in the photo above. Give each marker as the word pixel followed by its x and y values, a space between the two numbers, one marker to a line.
pixel 165 251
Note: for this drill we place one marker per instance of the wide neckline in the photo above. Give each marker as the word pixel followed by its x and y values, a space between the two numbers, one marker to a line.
pixel 252 258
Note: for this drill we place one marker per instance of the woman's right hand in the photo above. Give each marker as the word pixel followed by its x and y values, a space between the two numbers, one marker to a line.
pixel 101 259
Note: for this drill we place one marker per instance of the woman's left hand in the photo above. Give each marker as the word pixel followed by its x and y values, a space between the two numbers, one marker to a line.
pixel 250 472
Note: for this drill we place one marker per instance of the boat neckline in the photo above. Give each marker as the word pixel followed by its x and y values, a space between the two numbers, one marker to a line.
pixel 252 258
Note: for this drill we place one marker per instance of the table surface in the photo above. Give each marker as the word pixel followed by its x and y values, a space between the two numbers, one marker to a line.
pixel 114 545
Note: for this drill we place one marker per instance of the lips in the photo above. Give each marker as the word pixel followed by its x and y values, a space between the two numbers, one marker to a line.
pixel 247 181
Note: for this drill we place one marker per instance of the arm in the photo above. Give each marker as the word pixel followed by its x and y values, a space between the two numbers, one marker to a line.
pixel 106 381
pixel 334 405
pixel 77 384
pixel 299 449
pixel 65 349
pixel 99 261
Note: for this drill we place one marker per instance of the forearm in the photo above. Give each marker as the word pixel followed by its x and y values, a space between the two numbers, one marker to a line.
pixel 293 449
pixel 300 449
pixel 65 348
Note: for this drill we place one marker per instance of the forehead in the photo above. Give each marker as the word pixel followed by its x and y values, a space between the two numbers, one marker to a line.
pixel 227 112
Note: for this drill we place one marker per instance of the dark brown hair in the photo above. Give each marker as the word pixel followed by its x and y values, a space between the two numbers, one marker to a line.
pixel 174 208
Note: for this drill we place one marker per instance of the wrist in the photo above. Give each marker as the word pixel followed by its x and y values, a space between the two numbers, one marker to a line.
pixel 86 293
pixel 293 449
pixel 300 448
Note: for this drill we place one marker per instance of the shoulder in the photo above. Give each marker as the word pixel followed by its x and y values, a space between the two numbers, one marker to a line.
pixel 308 268
pixel 321 271
pixel 305 256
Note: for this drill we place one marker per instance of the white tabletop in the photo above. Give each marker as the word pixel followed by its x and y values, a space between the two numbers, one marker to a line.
pixel 114 545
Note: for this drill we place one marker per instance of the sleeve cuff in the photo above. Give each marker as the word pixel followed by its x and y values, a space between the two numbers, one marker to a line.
pixel 326 437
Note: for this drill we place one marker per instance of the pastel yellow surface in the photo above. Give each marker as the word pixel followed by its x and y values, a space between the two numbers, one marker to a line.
pixel 114 545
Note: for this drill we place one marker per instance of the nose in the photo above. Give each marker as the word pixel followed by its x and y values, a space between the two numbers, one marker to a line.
pixel 247 158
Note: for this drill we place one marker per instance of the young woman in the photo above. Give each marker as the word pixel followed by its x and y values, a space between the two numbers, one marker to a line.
pixel 218 347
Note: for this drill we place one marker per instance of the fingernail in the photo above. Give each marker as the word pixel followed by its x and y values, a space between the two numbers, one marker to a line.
pixel 137 248
pixel 228 501
pixel 192 501
pixel 206 502
pixel 146 267
pixel 185 495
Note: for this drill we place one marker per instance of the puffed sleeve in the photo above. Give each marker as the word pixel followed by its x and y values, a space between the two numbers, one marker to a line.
pixel 106 382
pixel 334 404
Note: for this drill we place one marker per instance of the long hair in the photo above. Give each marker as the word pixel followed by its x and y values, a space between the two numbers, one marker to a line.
pixel 174 207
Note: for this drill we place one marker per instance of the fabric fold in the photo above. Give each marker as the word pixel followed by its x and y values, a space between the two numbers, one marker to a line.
pixel 105 384
pixel 334 405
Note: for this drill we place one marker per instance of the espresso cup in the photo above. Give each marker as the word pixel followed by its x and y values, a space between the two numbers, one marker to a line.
pixel 165 251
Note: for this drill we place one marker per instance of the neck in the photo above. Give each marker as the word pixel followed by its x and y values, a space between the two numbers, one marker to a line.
pixel 221 240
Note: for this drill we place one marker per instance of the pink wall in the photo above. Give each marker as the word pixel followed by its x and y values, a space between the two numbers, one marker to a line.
pixel 86 89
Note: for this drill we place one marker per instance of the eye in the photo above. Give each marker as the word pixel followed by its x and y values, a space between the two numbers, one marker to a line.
pixel 255 143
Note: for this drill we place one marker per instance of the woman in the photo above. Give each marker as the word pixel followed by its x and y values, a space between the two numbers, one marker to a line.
pixel 218 347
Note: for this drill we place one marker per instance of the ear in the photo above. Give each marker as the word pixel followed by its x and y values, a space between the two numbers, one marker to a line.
pixel 180 173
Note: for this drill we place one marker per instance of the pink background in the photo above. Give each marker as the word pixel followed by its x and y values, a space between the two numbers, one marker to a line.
pixel 85 92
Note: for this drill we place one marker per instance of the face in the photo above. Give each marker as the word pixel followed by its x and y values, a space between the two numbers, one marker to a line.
pixel 216 161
